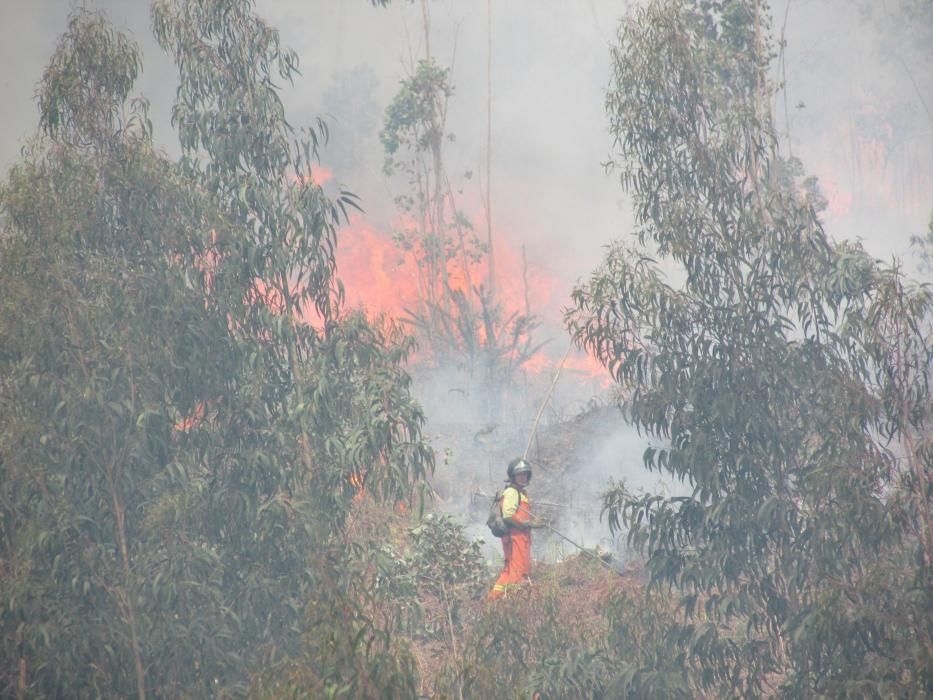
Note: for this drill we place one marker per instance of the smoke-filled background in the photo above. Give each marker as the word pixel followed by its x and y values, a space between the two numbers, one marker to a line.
pixel 856 109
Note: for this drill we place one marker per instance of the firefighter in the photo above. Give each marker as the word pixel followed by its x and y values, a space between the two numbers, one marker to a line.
pixel 516 545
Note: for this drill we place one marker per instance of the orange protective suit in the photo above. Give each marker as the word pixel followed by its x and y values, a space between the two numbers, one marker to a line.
pixel 516 549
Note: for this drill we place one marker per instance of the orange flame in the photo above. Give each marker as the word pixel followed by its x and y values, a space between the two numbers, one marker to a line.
pixel 192 420
pixel 357 480
pixel 321 174
pixel 377 275
pixel 382 277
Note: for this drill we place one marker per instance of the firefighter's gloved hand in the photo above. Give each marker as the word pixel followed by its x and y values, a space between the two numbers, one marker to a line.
pixel 539 523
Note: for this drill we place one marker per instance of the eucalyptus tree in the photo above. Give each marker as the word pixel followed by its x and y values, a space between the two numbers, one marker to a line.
pixel 186 412
pixel 782 376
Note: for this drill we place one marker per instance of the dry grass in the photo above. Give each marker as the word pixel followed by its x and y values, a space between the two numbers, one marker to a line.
pixel 578 588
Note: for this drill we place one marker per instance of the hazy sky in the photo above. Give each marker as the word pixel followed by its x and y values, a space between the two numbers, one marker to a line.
pixel 859 76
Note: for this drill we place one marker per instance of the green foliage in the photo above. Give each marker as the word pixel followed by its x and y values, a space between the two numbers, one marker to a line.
pixel 498 655
pixel 528 644
pixel 78 102
pixel 177 440
pixel 527 647
pixel 414 121
pixel 351 648
pixel 379 593
pixel 650 651
pixel 430 577
pixel 775 370
pixel 441 556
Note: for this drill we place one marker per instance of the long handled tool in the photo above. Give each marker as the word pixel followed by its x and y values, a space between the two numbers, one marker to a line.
pixel 547 397
pixel 564 537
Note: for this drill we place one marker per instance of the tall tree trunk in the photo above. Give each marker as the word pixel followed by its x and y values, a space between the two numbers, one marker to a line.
pixel 758 97
pixel 490 256
pixel 129 587
pixel 435 191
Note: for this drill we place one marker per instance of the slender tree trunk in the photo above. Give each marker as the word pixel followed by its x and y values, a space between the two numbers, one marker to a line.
pixel 435 190
pixel 758 97
pixel 489 248
pixel 790 145
pixel 426 22
pixel 439 215
pixel 294 360
pixel 21 667
pixel 129 588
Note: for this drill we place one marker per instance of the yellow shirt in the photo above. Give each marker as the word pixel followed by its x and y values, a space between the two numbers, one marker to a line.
pixel 511 497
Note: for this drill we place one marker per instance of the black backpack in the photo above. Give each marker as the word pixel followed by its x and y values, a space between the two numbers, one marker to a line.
pixel 496 524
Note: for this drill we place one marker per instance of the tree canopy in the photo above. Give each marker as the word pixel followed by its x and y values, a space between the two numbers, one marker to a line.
pixel 783 376
pixel 187 412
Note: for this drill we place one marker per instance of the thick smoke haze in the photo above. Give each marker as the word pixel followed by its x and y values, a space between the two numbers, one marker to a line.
pixel 859 79
pixel 856 110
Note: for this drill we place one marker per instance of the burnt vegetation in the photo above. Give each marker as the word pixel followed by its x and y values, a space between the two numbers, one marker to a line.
pixel 213 476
